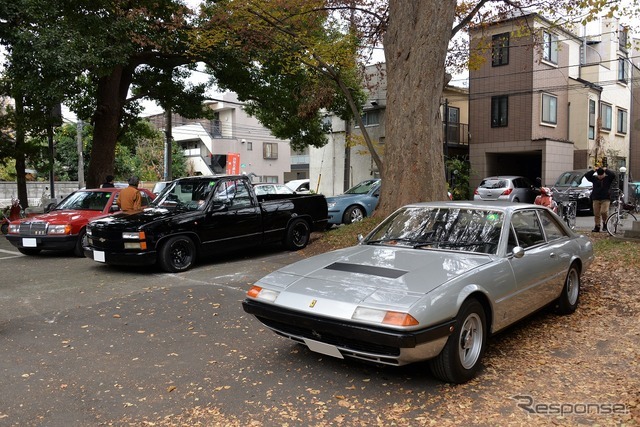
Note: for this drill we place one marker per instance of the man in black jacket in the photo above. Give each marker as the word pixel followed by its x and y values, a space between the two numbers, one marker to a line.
pixel 600 195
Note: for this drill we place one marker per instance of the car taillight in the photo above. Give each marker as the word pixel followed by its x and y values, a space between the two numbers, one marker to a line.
pixel 507 191
pixel 475 191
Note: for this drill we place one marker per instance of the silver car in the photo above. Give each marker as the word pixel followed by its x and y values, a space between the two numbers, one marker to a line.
pixel 431 282
pixel 506 188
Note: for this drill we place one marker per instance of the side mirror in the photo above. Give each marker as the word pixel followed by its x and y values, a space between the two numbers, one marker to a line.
pixel 360 238
pixel 518 252
pixel 219 205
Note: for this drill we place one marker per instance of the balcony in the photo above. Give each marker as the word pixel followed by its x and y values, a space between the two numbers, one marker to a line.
pixel 455 134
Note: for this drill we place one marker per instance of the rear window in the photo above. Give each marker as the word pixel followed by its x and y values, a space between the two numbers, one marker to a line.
pixel 569 179
pixel 493 183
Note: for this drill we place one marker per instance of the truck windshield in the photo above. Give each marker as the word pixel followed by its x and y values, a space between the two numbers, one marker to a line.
pixel 187 195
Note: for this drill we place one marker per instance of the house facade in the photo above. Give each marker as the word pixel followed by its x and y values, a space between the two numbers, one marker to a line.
pixel 231 137
pixel 339 165
pixel 549 100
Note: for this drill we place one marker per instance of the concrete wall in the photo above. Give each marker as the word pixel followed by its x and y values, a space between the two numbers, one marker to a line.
pixel 35 190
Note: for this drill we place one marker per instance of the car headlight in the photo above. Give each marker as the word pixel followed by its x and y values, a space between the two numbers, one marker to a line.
pixel 139 238
pixel 133 235
pixel 395 318
pixel 331 205
pixel 14 228
pixel 59 229
pixel 263 294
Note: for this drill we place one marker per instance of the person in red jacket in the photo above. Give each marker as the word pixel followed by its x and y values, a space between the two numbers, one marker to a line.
pixel 130 199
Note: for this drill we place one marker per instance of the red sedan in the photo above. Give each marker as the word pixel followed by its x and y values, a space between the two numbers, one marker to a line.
pixel 63 228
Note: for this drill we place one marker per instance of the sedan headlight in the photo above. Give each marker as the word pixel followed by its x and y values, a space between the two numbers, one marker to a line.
pixel 263 294
pixel 395 318
pixel 331 205
pixel 14 228
pixel 59 229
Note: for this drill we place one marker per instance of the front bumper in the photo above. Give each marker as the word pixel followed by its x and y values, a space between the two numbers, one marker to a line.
pixel 120 258
pixel 45 243
pixel 374 344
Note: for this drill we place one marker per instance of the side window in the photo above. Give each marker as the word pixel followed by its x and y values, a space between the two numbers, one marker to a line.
pixel 527 228
pixel 145 199
pixel 551 227
pixel 242 198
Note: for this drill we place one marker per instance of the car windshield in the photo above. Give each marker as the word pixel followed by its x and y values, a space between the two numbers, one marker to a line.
pixel 186 195
pixel 571 179
pixel 86 200
pixel 363 188
pixel 448 228
pixel 493 183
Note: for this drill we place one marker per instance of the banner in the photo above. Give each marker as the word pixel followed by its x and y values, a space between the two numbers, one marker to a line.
pixel 233 163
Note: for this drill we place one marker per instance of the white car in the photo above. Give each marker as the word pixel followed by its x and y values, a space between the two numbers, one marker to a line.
pixel 300 186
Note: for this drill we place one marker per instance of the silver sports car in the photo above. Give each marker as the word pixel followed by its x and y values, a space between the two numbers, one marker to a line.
pixel 432 281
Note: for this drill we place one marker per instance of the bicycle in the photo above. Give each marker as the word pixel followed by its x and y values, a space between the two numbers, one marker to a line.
pixel 567 206
pixel 622 217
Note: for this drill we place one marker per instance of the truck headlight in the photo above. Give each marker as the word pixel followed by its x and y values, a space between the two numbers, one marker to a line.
pixel 133 235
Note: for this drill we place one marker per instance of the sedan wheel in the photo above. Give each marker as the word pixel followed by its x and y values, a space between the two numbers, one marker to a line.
pixel 568 301
pixel 353 214
pixel 459 360
pixel 177 254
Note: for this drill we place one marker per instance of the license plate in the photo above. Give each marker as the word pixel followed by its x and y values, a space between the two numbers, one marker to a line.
pixel 322 348
pixel 98 256
pixel 29 243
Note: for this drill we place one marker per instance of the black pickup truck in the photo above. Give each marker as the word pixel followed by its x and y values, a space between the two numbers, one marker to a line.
pixel 196 216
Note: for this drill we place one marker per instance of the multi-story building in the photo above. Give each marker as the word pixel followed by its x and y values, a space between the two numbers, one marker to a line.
pixel 338 166
pixel 232 135
pixel 549 99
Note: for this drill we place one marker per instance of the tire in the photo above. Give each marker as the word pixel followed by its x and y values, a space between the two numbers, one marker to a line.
pixel 4 228
pixel 177 254
pixel 617 225
pixel 353 214
pixel 29 251
pixel 82 241
pixel 459 360
pixel 568 301
pixel 298 234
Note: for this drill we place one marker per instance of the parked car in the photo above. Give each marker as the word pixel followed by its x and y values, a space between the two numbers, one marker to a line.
pixel 300 186
pixel 204 215
pixel 573 185
pixel 159 186
pixel 431 282
pixel 63 228
pixel 506 188
pixel 355 204
pixel 261 189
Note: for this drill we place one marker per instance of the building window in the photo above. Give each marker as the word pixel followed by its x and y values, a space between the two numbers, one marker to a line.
pixel 453 125
pixel 499 111
pixel 550 47
pixel 605 116
pixel 269 179
pixel 270 150
pixel 592 119
pixel 623 70
pixel 249 146
pixel 371 118
pixel 549 109
pixel 622 121
pixel 623 38
pixel 500 49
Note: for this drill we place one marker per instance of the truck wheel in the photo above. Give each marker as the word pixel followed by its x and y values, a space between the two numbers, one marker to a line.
pixel 297 235
pixel 353 214
pixel 82 241
pixel 177 254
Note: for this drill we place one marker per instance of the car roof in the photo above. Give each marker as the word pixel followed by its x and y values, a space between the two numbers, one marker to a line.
pixel 505 177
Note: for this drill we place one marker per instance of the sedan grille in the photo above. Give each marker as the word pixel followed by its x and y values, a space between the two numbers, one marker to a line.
pixel 33 228
pixel 338 341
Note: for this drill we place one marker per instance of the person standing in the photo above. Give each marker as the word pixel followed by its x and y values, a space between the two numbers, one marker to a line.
pixel 600 195
pixel 130 199
pixel 108 182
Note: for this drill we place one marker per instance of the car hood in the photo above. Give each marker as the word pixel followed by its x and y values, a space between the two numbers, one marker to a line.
pixel 345 197
pixel 65 216
pixel 375 275
pixel 133 220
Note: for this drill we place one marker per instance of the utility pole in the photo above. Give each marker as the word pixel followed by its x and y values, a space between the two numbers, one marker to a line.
pixel 80 155
pixel 167 147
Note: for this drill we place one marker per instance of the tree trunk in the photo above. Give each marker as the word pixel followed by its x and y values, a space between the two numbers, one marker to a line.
pixel 415 49
pixel 21 164
pixel 112 94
